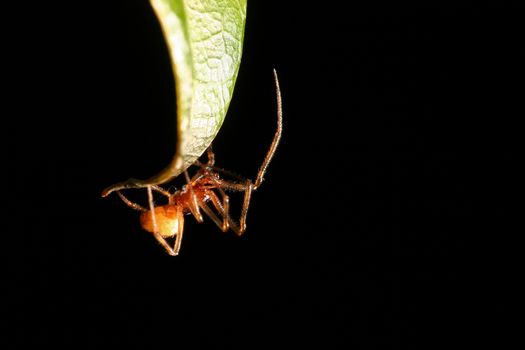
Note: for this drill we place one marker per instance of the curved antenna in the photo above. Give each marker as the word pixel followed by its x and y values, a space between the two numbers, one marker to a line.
pixel 276 138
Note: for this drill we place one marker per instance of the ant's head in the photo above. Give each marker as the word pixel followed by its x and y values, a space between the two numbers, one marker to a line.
pixel 168 218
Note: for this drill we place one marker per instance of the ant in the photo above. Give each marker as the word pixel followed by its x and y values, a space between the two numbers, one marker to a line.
pixel 206 186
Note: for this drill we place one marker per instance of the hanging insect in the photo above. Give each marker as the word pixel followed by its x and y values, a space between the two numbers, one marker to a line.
pixel 206 186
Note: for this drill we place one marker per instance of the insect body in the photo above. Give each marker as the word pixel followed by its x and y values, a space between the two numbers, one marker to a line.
pixel 206 192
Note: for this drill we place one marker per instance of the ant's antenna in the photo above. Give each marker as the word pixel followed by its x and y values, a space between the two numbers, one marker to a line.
pixel 276 138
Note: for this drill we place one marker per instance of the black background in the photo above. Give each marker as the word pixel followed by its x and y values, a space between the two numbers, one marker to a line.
pixel 385 219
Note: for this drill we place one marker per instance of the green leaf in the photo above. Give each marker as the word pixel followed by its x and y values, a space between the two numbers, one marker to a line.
pixel 205 39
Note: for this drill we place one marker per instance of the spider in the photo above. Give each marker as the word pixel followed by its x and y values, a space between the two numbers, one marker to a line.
pixel 206 186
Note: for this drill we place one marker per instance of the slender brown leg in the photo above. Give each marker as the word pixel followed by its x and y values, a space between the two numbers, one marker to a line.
pixel 178 238
pixel 227 221
pixel 161 190
pixel 218 170
pixel 194 203
pixel 246 204
pixel 223 208
pixel 226 210
pixel 247 187
pixel 235 228
pixel 136 206
pixel 211 159
pixel 129 203
pixel 211 156
pixel 210 213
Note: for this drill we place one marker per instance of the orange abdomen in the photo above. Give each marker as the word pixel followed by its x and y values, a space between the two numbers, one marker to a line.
pixel 169 219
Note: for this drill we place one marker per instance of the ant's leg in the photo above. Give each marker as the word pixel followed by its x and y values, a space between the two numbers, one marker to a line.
pixel 205 208
pixel 222 208
pixel 210 213
pixel 226 210
pixel 161 190
pixel 194 203
pixel 226 222
pixel 154 218
pixel 276 138
pixel 136 206
pixel 247 188
pixel 232 224
pixel 211 156
pixel 245 205
pixel 178 238
pixel 129 203
pixel 211 159
pixel 156 234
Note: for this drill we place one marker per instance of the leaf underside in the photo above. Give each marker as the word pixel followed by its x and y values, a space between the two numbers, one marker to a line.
pixel 204 38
